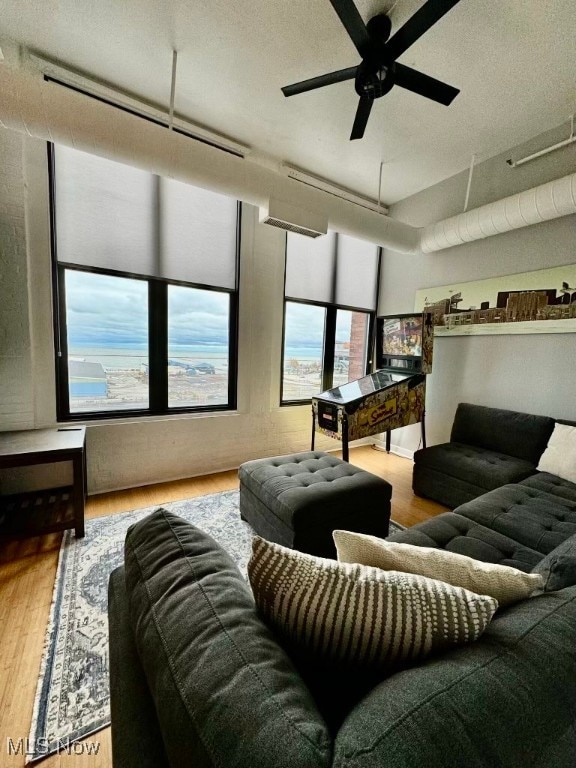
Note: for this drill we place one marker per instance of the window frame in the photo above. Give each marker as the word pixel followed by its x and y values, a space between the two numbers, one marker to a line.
pixel 329 344
pixel 157 332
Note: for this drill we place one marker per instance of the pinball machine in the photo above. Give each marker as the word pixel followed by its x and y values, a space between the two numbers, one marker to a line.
pixel 391 397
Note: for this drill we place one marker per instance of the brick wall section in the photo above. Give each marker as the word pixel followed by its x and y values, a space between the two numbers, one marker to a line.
pixel 16 405
pixel 357 359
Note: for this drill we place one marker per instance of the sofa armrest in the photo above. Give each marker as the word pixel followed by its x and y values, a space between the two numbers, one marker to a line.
pixel 136 736
pixel 225 692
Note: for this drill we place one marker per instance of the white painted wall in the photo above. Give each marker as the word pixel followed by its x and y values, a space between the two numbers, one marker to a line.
pixel 16 402
pixel 532 373
pixel 135 451
pixel 535 373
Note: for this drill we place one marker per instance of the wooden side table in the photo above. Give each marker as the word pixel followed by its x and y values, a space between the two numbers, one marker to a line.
pixel 37 512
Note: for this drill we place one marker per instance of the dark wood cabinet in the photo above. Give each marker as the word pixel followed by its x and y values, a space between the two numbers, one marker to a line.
pixel 36 512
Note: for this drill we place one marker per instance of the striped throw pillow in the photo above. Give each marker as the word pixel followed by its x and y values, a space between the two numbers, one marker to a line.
pixel 505 584
pixel 358 615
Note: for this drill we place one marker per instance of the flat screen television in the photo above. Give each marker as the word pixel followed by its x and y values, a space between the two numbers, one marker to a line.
pixel 399 341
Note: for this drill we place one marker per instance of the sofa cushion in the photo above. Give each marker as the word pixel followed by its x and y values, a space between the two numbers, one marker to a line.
pixel 446 490
pixel 559 458
pixel 521 435
pixel 558 568
pixel 358 616
pixel 459 534
pixel 214 669
pixel 552 484
pixel 474 465
pixel 532 517
pixel 503 583
pixel 508 700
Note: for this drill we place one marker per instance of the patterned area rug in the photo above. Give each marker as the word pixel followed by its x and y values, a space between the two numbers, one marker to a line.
pixel 72 697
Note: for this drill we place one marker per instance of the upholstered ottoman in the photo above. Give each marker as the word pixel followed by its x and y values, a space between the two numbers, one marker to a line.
pixel 298 500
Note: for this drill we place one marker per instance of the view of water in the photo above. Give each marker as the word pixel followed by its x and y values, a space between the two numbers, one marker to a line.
pixel 133 355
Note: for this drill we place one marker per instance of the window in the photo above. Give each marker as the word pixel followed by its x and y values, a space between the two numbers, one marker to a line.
pixel 303 350
pixel 146 286
pixel 329 310
pixel 107 340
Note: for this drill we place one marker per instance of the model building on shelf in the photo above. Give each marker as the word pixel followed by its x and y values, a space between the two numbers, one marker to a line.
pixel 511 307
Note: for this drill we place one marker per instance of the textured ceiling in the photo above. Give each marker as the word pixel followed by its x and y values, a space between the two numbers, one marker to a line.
pixel 512 60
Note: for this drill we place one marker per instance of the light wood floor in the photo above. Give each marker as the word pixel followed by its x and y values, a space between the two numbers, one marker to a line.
pixel 28 569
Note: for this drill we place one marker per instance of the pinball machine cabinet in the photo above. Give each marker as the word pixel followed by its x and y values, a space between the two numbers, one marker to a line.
pixel 391 397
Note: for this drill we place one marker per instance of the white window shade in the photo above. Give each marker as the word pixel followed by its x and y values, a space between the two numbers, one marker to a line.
pixel 334 269
pixel 356 273
pixel 103 213
pixel 113 216
pixel 198 235
pixel 310 267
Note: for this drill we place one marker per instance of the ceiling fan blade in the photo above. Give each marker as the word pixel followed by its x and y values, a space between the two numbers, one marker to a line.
pixel 431 12
pixel 427 86
pixel 352 21
pixel 320 81
pixel 362 115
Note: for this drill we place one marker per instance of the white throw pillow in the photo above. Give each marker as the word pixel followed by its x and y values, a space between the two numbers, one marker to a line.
pixel 360 616
pixel 559 458
pixel 505 584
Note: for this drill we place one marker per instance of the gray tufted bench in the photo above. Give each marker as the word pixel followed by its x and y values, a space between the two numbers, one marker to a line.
pixel 299 499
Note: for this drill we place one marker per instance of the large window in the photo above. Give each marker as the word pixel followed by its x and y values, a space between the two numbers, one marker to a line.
pixel 329 309
pixel 146 280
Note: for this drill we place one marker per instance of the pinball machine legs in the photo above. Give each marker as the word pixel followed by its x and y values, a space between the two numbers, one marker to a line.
pixel 345 452
pixel 422 430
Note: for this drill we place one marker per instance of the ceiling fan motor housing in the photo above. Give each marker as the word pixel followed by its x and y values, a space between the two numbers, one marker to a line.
pixel 374 79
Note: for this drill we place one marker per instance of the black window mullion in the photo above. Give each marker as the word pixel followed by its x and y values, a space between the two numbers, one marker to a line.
pixel 329 347
pixel 61 340
pixel 158 345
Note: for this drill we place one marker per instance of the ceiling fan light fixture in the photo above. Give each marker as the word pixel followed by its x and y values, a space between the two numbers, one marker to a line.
pixel 378 71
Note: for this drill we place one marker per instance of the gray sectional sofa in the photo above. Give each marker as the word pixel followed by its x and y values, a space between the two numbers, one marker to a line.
pixel 488 448
pixel 198 679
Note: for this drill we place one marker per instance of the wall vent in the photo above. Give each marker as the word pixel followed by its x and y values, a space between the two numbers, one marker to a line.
pixel 290 227
pixel 292 218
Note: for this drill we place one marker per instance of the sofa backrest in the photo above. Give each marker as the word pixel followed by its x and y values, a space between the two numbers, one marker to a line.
pixel 505 700
pixel 521 435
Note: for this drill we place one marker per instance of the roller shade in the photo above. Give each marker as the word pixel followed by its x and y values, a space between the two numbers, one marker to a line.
pixel 112 216
pixel 334 269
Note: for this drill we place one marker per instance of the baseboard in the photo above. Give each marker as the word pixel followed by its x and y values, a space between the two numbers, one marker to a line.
pixel 398 450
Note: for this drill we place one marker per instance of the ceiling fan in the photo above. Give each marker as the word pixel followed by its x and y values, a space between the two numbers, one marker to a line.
pixel 379 71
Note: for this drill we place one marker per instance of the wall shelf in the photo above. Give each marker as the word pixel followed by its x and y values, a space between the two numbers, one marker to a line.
pixel 523 327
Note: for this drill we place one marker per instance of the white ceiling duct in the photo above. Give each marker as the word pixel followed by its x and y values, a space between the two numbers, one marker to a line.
pixel 52 112
pixel 548 201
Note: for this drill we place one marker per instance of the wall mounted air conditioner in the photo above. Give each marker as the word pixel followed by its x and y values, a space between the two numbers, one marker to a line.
pixel 293 218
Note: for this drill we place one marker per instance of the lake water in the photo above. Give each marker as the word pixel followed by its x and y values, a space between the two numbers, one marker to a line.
pixel 133 356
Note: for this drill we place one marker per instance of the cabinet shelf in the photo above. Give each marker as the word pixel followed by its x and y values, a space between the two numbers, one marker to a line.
pixel 37 512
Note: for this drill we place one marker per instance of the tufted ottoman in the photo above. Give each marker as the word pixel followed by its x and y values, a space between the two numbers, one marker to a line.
pixel 298 500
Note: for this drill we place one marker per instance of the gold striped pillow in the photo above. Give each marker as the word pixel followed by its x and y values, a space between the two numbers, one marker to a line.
pixel 359 615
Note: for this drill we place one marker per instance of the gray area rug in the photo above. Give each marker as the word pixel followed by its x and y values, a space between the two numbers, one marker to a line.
pixel 72 697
